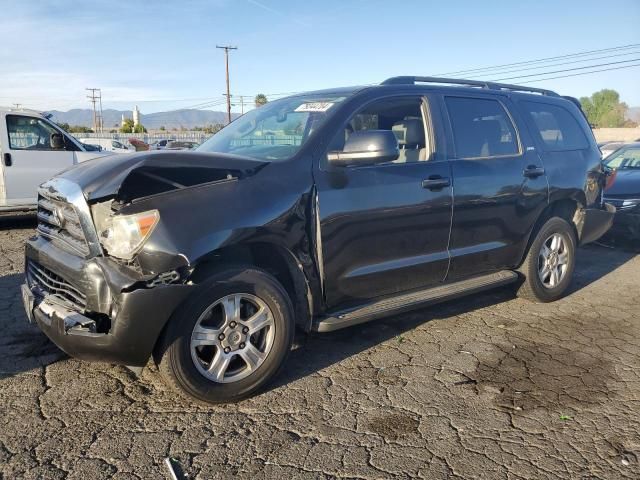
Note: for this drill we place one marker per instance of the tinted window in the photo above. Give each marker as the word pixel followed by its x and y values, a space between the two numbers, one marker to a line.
pixel 481 128
pixel 558 128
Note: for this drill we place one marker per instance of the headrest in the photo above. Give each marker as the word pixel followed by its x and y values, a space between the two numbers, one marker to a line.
pixel 409 132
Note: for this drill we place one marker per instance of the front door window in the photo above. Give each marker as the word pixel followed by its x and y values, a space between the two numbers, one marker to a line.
pixel 29 133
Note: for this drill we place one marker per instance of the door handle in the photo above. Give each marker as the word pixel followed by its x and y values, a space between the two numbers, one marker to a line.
pixel 533 171
pixel 436 182
pixel 7 159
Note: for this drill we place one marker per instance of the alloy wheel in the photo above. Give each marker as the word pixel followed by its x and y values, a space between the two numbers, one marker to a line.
pixel 232 338
pixel 553 260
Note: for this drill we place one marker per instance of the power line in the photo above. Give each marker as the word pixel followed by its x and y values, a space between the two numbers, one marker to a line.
pixel 539 60
pixel 581 73
pixel 635 52
pixel 564 70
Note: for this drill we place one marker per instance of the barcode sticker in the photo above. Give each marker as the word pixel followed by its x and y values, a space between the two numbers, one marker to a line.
pixel 314 107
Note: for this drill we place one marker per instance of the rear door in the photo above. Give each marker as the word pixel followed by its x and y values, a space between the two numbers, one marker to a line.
pixel 28 157
pixel 500 187
pixel 384 228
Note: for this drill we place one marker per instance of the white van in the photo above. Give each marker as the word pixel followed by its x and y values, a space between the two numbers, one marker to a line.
pixel 33 150
pixel 107 144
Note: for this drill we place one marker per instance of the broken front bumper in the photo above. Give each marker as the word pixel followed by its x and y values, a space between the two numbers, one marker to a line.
pixel 119 318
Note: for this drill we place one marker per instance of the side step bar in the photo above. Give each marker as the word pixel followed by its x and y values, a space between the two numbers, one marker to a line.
pixel 410 301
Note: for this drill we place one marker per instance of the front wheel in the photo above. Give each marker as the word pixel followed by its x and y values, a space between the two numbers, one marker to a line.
pixel 230 339
pixel 548 267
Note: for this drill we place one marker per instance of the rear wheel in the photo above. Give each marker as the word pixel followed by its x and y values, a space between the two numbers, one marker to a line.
pixel 231 339
pixel 548 267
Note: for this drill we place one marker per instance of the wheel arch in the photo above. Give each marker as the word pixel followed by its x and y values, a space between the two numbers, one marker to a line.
pixel 567 208
pixel 275 260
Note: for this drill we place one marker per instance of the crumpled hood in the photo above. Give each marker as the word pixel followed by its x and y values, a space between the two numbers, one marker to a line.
pixel 626 184
pixel 141 174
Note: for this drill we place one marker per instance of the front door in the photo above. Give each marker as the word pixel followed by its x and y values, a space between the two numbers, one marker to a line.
pixel 385 227
pixel 28 159
pixel 499 184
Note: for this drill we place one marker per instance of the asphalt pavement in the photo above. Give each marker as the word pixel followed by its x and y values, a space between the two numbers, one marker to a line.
pixel 488 386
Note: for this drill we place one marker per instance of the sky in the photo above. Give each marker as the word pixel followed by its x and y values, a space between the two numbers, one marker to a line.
pixel 161 55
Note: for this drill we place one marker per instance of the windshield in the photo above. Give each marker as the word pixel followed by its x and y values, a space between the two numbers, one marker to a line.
pixel 624 158
pixel 275 131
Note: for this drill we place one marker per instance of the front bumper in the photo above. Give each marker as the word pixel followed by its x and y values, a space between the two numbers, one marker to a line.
pixel 123 316
pixel 595 223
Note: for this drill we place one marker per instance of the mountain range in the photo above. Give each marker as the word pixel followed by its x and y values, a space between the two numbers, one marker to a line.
pixel 187 118
pixel 633 113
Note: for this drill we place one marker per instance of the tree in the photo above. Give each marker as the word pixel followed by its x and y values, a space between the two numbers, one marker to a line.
pixel 604 109
pixel 162 129
pixel 129 127
pixel 260 100
pixel 74 128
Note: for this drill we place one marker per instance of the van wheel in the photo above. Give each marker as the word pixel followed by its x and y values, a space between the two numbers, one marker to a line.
pixel 548 267
pixel 230 338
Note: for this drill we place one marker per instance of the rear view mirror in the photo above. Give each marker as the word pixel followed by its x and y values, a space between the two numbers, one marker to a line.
pixel 56 140
pixel 365 148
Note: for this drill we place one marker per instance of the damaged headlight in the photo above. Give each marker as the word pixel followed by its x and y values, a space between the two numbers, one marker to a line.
pixel 123 235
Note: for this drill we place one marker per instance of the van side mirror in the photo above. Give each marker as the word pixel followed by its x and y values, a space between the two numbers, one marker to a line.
pixel 365 148
pixel 56 140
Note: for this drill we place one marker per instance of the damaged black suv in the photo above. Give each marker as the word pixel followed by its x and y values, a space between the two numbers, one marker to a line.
pixel 313 213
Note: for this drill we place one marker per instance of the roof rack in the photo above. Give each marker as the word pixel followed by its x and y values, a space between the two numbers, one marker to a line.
pixel 408 80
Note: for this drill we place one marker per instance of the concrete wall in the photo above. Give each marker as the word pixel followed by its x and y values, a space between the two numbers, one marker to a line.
pixel 617 134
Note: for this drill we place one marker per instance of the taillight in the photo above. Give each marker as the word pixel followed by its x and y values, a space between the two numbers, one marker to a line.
pixel 611 177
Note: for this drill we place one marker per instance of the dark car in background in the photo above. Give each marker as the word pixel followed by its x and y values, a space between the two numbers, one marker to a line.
pixel 314 212
pixel 624 192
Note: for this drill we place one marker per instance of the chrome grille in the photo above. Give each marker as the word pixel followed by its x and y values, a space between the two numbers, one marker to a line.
pixel 52 284
pixel 59 222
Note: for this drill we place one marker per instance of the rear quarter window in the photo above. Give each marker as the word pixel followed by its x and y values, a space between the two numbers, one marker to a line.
pixel 556 126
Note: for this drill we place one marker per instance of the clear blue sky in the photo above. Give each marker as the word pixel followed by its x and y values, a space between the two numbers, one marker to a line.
pixel 161 55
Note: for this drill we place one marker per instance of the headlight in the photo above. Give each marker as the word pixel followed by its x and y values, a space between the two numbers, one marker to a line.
pixel 123 235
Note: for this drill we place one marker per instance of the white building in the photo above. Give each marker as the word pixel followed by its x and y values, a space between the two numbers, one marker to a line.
pixel 136 116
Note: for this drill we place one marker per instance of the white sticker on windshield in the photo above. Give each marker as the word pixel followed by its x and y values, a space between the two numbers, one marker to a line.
pixel 314 107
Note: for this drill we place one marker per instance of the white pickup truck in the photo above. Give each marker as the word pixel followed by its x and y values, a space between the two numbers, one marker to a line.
pixel 33 150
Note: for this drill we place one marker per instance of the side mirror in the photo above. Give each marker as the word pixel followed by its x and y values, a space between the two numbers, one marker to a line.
pixel 365 148
pixel 56 140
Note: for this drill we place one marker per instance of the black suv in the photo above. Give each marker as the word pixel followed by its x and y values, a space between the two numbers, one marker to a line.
pixel 314 212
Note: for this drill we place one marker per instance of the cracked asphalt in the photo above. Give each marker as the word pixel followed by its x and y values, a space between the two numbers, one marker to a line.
pixel 485 387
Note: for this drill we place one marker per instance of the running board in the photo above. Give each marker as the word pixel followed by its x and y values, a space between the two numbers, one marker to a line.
pixel 409 301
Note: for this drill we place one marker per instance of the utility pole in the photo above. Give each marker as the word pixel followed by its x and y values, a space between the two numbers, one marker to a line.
pixel 101 117
pixel 95 98
pixel 17 105
pixel 226 49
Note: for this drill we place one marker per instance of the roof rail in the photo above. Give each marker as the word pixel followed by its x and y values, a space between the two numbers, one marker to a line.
pixel 408 80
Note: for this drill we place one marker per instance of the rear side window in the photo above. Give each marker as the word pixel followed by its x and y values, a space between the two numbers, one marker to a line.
pixel 482 128
pixel 558 128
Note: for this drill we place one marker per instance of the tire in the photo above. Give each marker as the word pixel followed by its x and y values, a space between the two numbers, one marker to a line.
pixel 219 369
pixel 538 268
